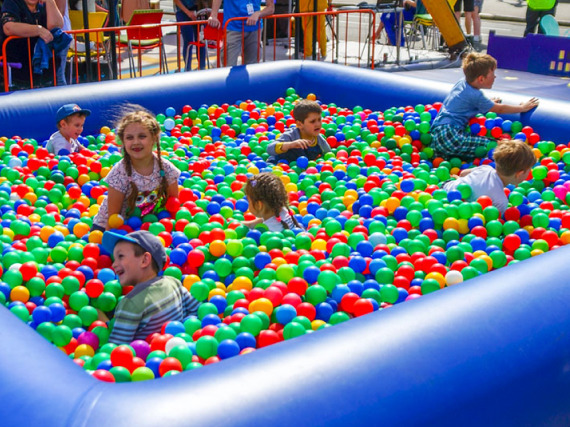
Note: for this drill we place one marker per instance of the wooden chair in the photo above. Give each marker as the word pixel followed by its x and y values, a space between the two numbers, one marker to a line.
pixel 98 40
pixel 147 35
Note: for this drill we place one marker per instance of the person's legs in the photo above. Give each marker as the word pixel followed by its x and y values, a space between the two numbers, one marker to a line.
pixel 251 48
pixel 477 6
pixel 60 72
pixel 322 35
pixel 233 46
pixel 468 7
pixel 532 18
pixel 307 6
pixel 201 50
pixel 187 37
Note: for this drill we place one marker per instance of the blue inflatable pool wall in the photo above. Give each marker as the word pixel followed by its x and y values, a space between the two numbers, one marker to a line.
pixel 492 351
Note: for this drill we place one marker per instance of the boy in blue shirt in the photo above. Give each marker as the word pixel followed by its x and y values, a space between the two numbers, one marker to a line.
pixel 449 138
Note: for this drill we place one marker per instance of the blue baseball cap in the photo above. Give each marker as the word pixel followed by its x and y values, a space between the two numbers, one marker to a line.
pixel 148 241
pixel 69 109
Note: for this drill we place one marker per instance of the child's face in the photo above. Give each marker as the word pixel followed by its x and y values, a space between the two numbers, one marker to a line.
pixel 72 127
pixel 138 141
pixel 312 125
pixel 127 265
pixel 486 82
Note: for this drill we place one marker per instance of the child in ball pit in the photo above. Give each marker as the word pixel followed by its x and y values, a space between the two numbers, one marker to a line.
pixel 70 119
pixel 513 162
pixel 142 179
pixel 268 201
pixel 465 101
pixel 138 258
pixel 303 140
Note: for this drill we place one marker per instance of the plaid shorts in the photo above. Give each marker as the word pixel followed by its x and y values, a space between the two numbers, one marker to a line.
pixel 449 141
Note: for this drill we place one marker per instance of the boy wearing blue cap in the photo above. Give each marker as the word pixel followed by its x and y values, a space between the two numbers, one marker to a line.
pixel 154 300
pixel 70 120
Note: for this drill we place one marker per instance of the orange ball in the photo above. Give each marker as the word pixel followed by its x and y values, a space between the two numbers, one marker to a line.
pixel 20 293
pixel 261 304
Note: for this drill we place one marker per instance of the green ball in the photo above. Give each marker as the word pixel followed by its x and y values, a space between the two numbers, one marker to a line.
pixel 78 300
pixel 61 335
pixel 206 346
pixel 182 353
pixel 200 291
pixel 142 374
pixel 389 294
pixel 338 317
pixel 21 312
pixel 121 374
pixel 293 330
pixel 315 294
pixel 252 324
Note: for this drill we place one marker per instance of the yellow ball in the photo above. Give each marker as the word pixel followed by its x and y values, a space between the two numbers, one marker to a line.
pixel 105 130
pixel 80 229
pixel 316 324
pixel 96 236
pixel 116 221
pixel 217 248
pixel 319 244
pixel 190 280
pixel 312 97
pixel 242 283
pixel 438 277
pixel 20 293
pixel 261 304
pixel 84 350
pixel 216 291
pixel 451 223
pixel 45 232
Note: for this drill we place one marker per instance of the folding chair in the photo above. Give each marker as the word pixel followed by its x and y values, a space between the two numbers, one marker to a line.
pixel 98 40
pixel 147 36
pixel 549 26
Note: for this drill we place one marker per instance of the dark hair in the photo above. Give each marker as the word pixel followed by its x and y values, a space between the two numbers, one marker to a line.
pixel 305 107
pixel 269 189
pixel 140 251
pixel 146 119
pixel 512 157
pixel 477 64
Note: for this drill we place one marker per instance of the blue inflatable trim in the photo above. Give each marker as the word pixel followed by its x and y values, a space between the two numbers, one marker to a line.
pixel 492 351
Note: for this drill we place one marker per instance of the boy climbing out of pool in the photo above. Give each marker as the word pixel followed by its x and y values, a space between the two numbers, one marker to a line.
pixel 142 179
pixel 70 119
pixel 465 101
pixel 513 162
pixel 269 202
pixel 138 258
pixel 304 139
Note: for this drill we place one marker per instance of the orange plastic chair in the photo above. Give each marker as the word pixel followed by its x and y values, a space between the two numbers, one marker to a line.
pixel 147 36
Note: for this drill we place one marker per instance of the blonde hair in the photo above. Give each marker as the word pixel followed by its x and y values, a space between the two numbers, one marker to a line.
pixel 269 190
pixel 149 122
pixel 477 64
pixel 513 156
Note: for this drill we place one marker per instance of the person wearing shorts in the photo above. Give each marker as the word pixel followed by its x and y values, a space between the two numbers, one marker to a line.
pixel 468 9
pixel 477 7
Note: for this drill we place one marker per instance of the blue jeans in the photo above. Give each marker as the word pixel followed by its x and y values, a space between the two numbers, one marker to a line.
pixel 60 71
pixel 189 35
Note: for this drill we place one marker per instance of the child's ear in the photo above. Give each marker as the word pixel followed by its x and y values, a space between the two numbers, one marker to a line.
pixel 146 260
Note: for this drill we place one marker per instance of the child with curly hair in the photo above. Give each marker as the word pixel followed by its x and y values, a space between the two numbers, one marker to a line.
pixel 269 202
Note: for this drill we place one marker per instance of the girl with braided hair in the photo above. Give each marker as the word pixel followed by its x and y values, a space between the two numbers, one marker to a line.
pixel 269 202
pixel 142 179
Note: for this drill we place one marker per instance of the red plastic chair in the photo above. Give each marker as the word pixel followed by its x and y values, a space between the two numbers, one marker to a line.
pixel 209 37
pixel 147 36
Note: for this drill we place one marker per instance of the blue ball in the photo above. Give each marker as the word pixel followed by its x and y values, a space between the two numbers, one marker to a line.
pixel 245 340
pixel 228 348
pixel 302 162
pixel 285 313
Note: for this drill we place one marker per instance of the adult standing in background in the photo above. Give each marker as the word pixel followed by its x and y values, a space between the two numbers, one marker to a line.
pixel 468 7
pixel 30 19
pixel 63 7
pixel 249 30
pixel 535 10
pixel 186 12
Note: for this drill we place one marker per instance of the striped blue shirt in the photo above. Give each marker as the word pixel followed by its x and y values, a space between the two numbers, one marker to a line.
pixel 148 306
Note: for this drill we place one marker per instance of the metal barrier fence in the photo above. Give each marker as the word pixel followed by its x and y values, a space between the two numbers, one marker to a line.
pixel 349 41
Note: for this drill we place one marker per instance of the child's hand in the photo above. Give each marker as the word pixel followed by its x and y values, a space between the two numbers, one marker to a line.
pixel 497 100
pixel 529 105
pixel 299 143
pixel 465 172
pixel 253 222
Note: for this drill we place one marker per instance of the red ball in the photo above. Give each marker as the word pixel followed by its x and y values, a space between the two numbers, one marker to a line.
pixel 362 306
pixel 267 337
pixel 104 375
pixel 122 356
pixel 169 364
